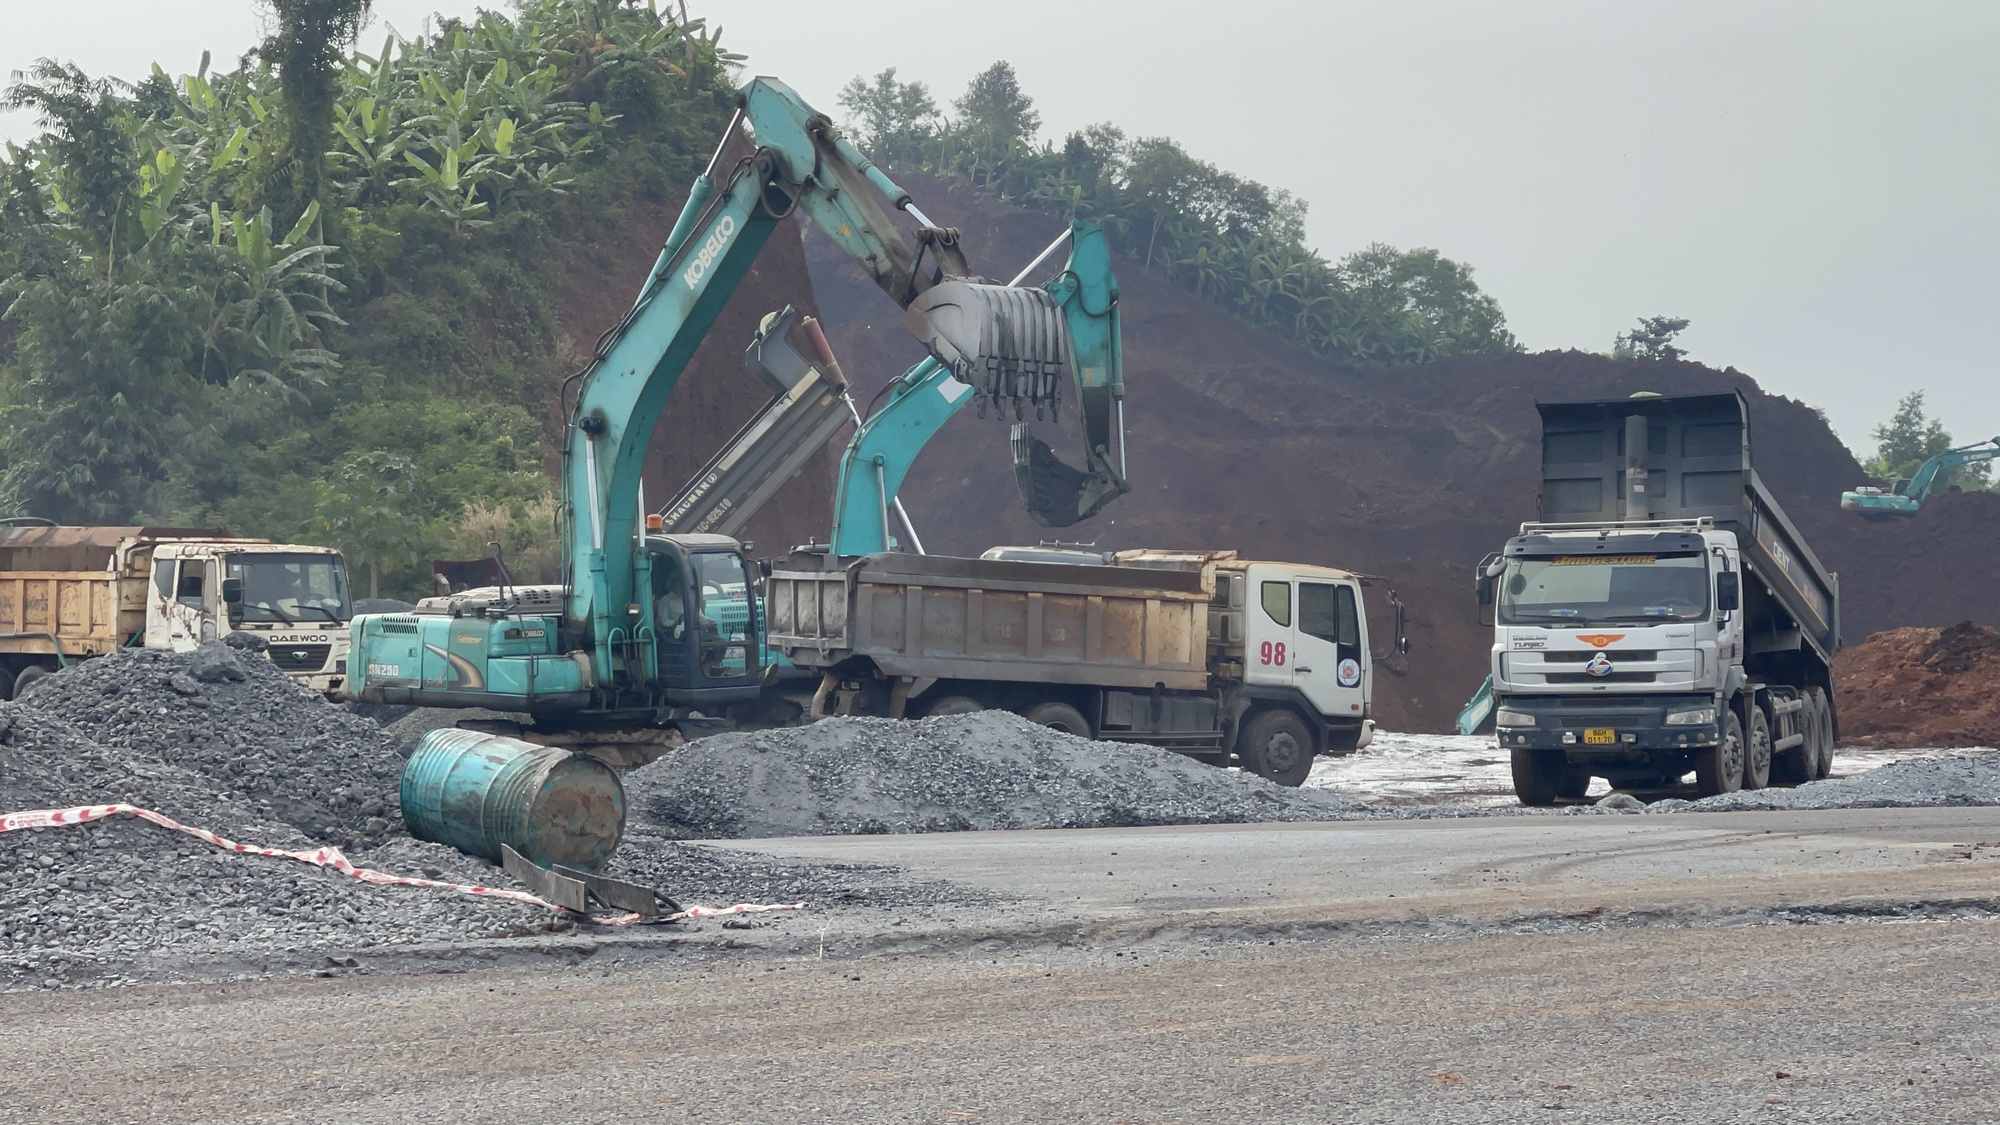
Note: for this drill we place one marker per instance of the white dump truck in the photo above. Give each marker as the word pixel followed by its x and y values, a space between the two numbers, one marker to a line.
pixel 1228 660
pixel 1664 616
pixel 67 593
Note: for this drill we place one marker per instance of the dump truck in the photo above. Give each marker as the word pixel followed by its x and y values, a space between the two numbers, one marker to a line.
pixel 68 593
pixel 1663 616
pixel 1228 660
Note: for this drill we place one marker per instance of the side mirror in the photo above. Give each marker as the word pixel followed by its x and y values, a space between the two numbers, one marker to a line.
pixel 1483 575
pixel 1728 592
pixel 232 591
pixel 764 567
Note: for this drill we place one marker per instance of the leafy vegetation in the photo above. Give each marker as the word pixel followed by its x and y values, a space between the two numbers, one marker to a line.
pixel 313 297
pixel 1652 339
pixel 1909 438
pixel 1228 240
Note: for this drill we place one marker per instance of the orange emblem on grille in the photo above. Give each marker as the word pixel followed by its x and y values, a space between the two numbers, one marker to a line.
pixel 1599 640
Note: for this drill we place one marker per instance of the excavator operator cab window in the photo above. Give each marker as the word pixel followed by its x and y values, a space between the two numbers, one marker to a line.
pixel 670 608
pixel 724 609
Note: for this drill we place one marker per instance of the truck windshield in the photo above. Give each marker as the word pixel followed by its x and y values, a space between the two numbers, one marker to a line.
pixel 290 588
pixel 1604 589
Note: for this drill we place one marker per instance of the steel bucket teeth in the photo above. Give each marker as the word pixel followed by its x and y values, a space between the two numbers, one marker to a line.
pixel 1010 344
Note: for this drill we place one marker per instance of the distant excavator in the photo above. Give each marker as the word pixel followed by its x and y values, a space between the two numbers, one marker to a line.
pixel 1906 497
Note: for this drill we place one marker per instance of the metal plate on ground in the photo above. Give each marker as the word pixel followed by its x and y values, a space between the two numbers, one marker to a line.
pixel 575 890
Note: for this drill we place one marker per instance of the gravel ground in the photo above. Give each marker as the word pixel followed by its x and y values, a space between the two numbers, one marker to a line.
pixel 219 739
pixel 990 770
pixel 1959 779
pixel 222 740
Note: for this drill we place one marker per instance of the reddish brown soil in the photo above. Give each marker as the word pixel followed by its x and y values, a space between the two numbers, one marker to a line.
pixel 1238 440
pixel 716 393
pixel 1922 687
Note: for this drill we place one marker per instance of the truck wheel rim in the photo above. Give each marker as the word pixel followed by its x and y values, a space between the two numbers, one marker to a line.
pixel 1732 758
pixel 1281 753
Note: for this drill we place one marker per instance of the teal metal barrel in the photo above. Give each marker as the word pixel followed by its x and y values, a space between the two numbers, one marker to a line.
pixel 477 791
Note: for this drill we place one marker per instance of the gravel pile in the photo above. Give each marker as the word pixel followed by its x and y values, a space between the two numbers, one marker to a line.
pixel 990 770
pixel 1960 779
pixel 251 735
pixel 220 739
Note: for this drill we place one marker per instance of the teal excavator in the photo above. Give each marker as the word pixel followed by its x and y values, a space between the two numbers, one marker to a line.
pixel 648 627
pixel 1906 497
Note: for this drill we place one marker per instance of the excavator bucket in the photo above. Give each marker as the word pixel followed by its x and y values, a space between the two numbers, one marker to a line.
pixel 1012 346
pixel 1009 343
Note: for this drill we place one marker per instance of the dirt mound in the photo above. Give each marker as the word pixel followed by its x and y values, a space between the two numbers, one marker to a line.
pixel 954 773
pixel 1922 687
pixel 1238 440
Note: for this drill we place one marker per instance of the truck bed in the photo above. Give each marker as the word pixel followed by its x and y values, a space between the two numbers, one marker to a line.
pixel 954 618
pixel 1696 464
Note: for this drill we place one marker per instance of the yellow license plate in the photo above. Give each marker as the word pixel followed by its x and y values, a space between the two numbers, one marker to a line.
pixel 1600 736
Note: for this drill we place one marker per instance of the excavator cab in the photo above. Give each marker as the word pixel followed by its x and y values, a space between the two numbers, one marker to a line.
pixel 704 614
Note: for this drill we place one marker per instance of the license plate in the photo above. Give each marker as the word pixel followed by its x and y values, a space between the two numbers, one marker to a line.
pixel 1600 736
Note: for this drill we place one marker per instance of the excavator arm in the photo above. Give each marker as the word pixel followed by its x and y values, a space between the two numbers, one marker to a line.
pixel 800 163
pixel 1084 296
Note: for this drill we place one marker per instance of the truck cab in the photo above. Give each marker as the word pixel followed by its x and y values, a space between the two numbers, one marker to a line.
pixel 1609 640
pixel 294 598
pixel 1299 635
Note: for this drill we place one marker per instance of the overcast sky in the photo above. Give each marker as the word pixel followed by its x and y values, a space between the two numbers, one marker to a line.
pixel 1811 184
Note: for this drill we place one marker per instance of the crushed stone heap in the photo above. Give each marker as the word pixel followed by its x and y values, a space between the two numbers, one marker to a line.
pixel 989 770
pixel 252 736
pixel 1921 687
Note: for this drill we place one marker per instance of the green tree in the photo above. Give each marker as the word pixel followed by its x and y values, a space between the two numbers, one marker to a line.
pixel 1652 339
pixel 1909 438
pixel 309 49
pixel 995 112
pixel 893 120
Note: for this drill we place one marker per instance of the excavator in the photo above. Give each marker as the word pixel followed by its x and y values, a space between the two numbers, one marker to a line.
pixel 649 627
pixel 1906 497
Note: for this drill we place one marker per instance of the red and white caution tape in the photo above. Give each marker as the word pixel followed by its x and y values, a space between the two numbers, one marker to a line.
pixel 332 857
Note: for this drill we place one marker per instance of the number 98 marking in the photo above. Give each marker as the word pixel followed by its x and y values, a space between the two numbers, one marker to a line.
pixel 1271 654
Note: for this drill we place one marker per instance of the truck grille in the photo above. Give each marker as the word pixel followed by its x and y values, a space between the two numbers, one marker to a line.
pixel 1587 678
pixel 300 658
pixel 1614 653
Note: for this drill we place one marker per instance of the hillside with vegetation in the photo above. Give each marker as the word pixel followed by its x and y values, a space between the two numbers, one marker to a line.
pixel 316 297
pixel 327 295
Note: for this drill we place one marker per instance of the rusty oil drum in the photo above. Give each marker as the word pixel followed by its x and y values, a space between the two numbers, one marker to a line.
pixel 477 791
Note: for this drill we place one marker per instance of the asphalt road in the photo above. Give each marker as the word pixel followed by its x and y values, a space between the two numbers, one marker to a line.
pixel 1537 969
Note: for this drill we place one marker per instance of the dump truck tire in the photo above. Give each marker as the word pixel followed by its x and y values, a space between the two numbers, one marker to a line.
pixel 1790 767
pixel 1823 730
pixel 1757 751
pixel 1278 746
pixel 1538 776
pixel 1060 716
pixel 1719 769
pixel 25 677
pixel 953 705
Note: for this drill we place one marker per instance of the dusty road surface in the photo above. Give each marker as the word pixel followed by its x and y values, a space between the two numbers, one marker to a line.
pixel 1601 969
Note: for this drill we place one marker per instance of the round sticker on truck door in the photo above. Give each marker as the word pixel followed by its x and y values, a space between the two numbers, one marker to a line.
pixel 1349 672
